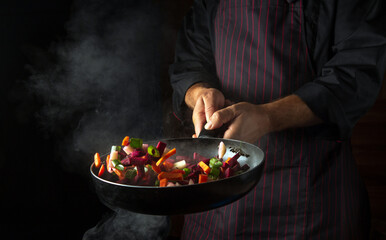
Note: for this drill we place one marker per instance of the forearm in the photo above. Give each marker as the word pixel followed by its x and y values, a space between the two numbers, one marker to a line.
pixel 289 112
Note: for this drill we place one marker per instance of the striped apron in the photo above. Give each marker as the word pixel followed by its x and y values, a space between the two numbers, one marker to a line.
pixel 310 188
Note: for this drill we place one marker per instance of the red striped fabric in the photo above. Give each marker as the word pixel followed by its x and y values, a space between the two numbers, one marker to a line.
pixel 309 186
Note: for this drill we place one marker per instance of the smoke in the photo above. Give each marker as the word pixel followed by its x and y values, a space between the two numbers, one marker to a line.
pixel 99 84
pixel 102 82
pixel 125 225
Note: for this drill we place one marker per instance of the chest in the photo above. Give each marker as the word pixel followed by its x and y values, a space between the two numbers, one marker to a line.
pixel 260 48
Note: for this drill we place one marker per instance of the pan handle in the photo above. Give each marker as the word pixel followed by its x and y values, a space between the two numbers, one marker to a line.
pixel 215 133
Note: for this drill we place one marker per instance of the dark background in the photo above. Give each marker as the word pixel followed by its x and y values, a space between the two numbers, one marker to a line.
pixel 48 140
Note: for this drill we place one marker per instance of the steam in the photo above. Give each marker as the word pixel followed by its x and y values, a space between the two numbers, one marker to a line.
pixel 103 81
pixel 125 225
pixel 99 84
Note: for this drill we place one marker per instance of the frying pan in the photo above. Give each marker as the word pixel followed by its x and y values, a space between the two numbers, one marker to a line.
pixel 185 199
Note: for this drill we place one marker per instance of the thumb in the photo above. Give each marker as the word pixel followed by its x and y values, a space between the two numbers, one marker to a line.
pixel 221 117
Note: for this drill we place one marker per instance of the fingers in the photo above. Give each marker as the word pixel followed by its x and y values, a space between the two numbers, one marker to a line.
pixel 221 117
pixel 198 116
pixel 213 100
pixel 209 102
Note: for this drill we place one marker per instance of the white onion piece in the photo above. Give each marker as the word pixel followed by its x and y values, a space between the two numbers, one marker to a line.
pixel 180 164
pixel 221 150
pixel 128 149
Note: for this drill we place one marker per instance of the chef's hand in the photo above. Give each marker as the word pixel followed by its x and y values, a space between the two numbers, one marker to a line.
pixel 248 122
pixel 204 101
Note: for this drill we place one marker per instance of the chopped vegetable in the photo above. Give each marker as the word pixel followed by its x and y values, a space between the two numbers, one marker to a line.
pixel 233 160
pixel 202 178
pixel 187 171
pixel 117 164
pixel 180 164
pixel 153 151
pixel 131 173
pixel 156 183
pixel 221 150
pixel 126 141
pixel 140 171
pixel 214 173
pixel 163 182
pixel 171 176
pixel 215 163
pixel 101 170
pixel 128 149
pixel 170 184
pixel 142 164
pixel 115 148
pixel 136 143
pixel 97 160
pixel 178 171
pixel 119 173
pixel 155 167
pixel 204 167
pixel 109 166
pixel 168 165
pixel 166 156
pixel 138 161
pixel 113 155
pixel 228 172
pixel 161 147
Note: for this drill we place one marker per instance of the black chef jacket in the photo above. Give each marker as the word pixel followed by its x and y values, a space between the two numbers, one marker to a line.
pixel 329 53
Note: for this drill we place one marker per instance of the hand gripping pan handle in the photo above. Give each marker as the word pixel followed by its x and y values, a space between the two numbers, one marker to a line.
pixel 215 133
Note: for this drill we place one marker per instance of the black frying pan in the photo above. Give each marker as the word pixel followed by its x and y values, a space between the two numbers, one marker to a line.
pixel 186 198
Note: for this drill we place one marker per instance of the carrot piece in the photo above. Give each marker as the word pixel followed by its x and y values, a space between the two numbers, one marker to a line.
pixel 171 176
pixel 97 160
pixel 109 165
pixel 101 170
pixel 163 182
pixel 166 156
pixel 120 174
pixel 204 167
pixel 155 167
pixel 126 141
pixel 168 165
pixel 178 171
pixel 202 178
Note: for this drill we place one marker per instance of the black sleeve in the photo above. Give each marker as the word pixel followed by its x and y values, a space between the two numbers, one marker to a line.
pixel 350 79
pixel 194 61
